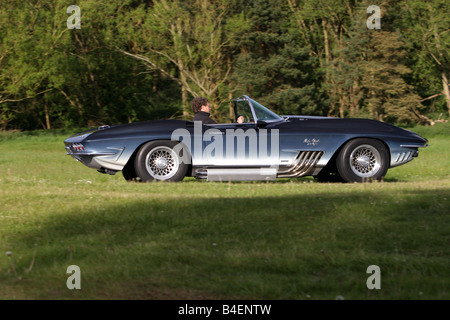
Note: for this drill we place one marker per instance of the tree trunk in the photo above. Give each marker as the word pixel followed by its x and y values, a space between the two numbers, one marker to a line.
pixel 85 57
pixel 330 82
pixel 446 90
pixel 47 116
pixel 230 94
pixel 184 97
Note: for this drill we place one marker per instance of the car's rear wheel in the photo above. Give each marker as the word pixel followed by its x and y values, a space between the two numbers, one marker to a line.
pixel 362 160
pixel 161 161
pixel 129 173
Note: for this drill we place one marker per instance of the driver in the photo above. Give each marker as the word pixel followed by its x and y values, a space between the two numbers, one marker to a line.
pixel 202 110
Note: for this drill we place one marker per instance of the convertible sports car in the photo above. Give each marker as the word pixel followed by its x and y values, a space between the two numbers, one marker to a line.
pixel 265 147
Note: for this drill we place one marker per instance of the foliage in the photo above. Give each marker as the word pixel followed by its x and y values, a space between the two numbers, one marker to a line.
pixel 273 62
pixel 138 60
pixel 425 29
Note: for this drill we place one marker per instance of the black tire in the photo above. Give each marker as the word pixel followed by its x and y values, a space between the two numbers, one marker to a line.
pixel 157 160
pixel 363 160
pixel 328 176
pixel 129 173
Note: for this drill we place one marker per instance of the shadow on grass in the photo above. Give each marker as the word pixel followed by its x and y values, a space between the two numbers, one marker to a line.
pixel 255 248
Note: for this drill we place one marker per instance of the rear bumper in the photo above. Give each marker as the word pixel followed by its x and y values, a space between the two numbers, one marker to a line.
pixel 97 160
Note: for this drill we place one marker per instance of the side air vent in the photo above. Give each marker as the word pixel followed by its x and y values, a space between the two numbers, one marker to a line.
pixel 403 157
pixel 303 164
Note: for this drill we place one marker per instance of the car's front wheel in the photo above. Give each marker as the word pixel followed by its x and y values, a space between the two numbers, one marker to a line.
pixel 160 160
pixel 362 160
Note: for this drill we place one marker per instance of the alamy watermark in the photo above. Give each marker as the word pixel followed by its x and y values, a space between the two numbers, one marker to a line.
pixel 374 281
pixel 228 145
pixel 374 21
pixel 73 281
pixel 74 21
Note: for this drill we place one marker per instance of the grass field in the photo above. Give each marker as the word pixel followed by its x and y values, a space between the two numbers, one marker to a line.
pixel 290 239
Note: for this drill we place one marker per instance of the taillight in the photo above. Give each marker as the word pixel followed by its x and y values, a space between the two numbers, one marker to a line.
pixel 78 147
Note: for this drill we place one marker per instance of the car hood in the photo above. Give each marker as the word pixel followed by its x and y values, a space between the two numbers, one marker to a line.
pixel 348 126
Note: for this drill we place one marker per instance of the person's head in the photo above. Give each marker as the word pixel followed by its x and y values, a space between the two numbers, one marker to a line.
pixel 200 104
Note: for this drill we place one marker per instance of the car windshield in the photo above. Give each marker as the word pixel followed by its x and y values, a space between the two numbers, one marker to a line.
pixel 243 106
pixel 262 113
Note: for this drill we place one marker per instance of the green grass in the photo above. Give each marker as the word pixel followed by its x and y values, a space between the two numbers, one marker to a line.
pixel 290 239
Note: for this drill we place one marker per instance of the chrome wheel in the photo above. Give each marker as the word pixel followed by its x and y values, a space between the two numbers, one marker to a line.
pixel 162 163
pixel 365 161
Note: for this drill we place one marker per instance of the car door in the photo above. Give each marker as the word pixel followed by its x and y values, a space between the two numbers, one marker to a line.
pixel 247 144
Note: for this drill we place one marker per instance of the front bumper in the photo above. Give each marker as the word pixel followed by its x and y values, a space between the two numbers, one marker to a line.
pixel 405 153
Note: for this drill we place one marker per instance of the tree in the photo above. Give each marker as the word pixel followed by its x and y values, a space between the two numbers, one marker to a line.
pixel 324 25
pixel 425 26
pixel 388 96
pixel 273 64
pixel 54 76
pixel 184 41
pixel 136 60
pixel 371 71
pixel 25 57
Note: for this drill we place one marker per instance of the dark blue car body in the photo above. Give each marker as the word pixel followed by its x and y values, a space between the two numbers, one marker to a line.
pixel 265 147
